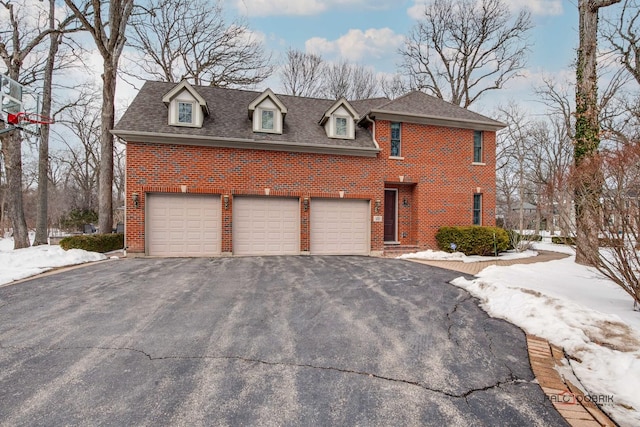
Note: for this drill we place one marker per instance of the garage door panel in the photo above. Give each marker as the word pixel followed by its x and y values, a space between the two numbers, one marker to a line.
pixel 183 225
pixel 339 227
pixel 266 226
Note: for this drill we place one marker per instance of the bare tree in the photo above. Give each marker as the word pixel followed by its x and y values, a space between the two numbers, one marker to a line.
pixel 55 39
pixel 21 37
pixel 516 143
pixel 189 39
pixel 551 154
pixel 619 259
pixel 109 37
pixel 82 154
pixel 461 49
pixel 302 74
pixel 394 86
pixel 588 179
pixel 623 36
pixel 351 81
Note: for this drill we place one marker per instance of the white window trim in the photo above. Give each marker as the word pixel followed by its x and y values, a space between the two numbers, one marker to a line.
pixel 331 127
pixel 335 124
pixel 261 127
pixel 193 113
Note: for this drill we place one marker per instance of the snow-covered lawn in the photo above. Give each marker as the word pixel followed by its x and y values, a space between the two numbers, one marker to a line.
pixel 574 308
pixel 23 263
pixel 459 256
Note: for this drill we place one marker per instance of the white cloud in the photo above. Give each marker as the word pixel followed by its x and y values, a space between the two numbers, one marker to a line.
pixel 537 7
pixel 373 43
pixel 303 7
pixel 280 7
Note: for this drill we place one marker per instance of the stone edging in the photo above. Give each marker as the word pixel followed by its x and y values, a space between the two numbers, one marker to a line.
pixel 566 397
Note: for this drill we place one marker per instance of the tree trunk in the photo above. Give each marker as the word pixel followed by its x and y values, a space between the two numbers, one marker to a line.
pixel 12 151
pixel 588 179
pixel 42 223
pixel 105 201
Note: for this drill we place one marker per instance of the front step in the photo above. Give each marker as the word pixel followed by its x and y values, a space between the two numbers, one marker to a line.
pixel 395 250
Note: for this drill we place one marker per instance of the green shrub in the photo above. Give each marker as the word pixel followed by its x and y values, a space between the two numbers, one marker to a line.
pixel 563 240
pixel 94 242
pixel 473 240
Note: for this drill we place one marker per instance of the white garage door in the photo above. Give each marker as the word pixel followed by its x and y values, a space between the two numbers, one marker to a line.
pixel 266 226
pixel 339 227
pixel 183 225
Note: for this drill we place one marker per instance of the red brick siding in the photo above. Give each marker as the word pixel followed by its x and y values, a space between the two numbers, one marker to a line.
pixel 438 161
pixel 439 180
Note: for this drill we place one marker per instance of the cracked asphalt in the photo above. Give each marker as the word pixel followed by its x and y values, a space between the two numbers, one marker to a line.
pixel 260 341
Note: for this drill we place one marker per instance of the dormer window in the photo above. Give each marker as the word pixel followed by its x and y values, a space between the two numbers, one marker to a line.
pixel 341 126
pixel 185 112
pixel 267 120
pixel 267 113
pixel 339 120
pixel 185 106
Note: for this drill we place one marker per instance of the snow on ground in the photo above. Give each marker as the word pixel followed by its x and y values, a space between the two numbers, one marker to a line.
pixel 573 307
pixel 459 256
pixel 22 263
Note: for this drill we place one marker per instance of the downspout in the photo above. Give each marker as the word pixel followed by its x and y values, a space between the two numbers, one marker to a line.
pixel 373 122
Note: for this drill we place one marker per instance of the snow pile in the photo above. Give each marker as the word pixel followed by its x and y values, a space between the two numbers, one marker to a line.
pixel 574 308
pixel 563 249
pixel 459 256
pixel 22 263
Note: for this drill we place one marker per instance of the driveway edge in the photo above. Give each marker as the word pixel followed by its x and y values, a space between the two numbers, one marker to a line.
pixel 566 397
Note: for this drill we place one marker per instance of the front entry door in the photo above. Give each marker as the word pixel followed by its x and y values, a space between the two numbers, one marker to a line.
pixel 390 200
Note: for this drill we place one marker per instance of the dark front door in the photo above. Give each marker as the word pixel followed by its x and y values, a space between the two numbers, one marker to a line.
pixel 390 215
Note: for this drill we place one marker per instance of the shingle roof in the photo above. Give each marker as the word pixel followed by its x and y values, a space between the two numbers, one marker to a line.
pixel 229 119
pixel 420 104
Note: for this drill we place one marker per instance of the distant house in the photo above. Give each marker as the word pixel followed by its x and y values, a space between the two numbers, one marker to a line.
pixel 214 171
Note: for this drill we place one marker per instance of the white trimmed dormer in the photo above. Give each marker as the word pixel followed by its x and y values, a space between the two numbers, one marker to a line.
pixel 185 106
pixel 267 113
pixel 339 120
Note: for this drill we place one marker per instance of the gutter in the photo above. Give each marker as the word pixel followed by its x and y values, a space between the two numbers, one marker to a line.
pixel 373 122
pixel 208 141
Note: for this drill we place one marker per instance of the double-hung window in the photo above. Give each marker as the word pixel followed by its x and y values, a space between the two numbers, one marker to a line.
pixel 395 140
pixel 341 126
pixel 267 122
pixel 185 112
pixel 477 209
pixel 477 146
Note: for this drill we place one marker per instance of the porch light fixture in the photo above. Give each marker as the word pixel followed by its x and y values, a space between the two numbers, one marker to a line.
pixel 225 200
pixel 305 204
pixel 377 206
pixel 136 199
pixel 405 203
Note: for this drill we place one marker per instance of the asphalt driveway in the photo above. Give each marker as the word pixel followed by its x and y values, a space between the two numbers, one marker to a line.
pixel 260 341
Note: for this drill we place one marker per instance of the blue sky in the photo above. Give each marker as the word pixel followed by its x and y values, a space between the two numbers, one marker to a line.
pixel 369 32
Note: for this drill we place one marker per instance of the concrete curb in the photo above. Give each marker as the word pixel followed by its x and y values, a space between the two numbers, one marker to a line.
pixel 566 397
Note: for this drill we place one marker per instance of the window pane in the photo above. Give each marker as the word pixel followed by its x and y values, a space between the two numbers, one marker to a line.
pixel 267 119
pixel 477 209
pixel 185 112
pixel 395 139
pixel 477 146
pixel 341 126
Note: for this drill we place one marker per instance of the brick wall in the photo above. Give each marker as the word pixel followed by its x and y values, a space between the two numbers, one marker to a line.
pixel 435 177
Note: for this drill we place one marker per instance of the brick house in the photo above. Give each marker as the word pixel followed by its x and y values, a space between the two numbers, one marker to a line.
pixel 213 171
